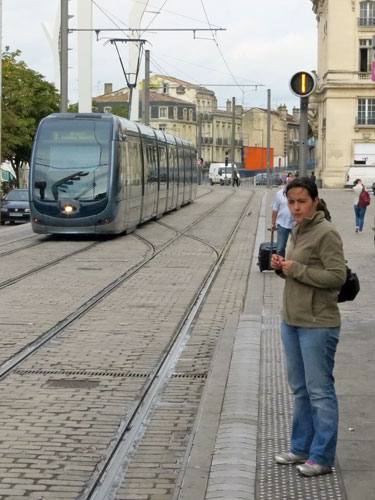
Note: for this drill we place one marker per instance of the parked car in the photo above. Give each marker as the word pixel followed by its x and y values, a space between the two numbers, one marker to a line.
pixel 15 206
pixel 261 180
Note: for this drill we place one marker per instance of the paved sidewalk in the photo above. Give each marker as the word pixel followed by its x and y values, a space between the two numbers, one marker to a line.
pixel 256 411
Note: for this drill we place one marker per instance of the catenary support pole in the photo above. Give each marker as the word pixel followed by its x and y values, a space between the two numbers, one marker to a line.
pixel 146 90
pixel 268 137
pixel 64 56
pixel 233 134
pixel 1 93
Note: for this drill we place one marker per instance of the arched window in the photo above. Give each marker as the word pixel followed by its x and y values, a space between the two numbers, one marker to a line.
pixel 367 14
pixel 185 113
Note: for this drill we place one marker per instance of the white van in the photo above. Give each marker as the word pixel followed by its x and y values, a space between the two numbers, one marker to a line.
pixel 220 173
pixel 366 174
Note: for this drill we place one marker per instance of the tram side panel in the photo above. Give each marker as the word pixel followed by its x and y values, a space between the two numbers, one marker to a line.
pixel 172 175
pixel 163 178
pixel 132 181
pixel 150 179
pixel 181 173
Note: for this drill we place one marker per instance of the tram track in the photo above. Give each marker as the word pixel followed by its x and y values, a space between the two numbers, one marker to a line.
pixel 30 349
pixel 102 487
pixel 150 375
pixel 27 274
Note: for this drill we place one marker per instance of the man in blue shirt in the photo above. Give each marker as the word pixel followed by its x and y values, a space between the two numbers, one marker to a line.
pixel 282 219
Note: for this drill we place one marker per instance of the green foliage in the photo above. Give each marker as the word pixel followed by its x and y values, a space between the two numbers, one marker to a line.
pixel 121 110
pixel 27 98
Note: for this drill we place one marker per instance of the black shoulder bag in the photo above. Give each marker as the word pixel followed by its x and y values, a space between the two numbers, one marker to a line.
pixel 350 288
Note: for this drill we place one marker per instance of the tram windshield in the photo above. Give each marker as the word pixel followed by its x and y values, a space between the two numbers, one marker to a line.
pixel 71 159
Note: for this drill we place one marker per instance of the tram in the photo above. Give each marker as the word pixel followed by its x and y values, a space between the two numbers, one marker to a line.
pixel 97 173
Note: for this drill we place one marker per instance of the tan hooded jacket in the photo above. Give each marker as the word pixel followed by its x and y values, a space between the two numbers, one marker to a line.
pixel 316 275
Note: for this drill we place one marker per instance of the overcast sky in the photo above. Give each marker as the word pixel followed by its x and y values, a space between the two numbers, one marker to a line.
pixel 265 42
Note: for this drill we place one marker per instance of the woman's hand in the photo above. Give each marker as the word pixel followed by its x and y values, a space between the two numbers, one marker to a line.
pixel 276 262
pixel 285 266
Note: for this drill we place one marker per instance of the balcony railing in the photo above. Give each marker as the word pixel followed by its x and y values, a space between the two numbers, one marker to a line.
pixel 364 76
pixel 365 121
pixel 366 21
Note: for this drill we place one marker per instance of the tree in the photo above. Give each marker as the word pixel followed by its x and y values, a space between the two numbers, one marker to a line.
pixel 27 98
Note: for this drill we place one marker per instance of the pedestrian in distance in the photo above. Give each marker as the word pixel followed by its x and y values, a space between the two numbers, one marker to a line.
pixel 235 178
pixel 314 271
pixel 282 219
pixel 361 200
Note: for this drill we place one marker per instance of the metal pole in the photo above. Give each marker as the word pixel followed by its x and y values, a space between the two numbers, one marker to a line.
pixel 64 56
pixel 303 136
pixel 146 90
pixel 1 95
pixel 233 135
pixel 268 137
pixel 199 135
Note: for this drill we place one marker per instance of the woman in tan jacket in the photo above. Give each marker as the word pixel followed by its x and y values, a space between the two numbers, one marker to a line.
pixel 314 271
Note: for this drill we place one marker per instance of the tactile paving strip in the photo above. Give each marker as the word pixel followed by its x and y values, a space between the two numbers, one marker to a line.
pixel 282 482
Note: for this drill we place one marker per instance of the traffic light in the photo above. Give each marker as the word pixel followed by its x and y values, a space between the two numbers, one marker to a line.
pixel 226 158
pixel 302 84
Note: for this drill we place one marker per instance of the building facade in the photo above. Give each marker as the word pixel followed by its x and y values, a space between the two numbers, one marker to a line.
pixel 342 110
pixel 214 125
pixel 167 113
pixel 284 134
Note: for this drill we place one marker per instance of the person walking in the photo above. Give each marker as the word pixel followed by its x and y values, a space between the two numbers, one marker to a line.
pixel 282 219
pixel 235 178
pixel 359 209
pixel 314 271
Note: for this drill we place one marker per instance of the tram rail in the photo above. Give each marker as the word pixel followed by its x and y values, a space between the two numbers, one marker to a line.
pixel 10 364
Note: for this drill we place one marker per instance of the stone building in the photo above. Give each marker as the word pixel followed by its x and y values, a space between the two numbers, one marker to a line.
pixel 214 124
pixel 343 106
pixel 167 113
pixel 186 110
pixel 284 133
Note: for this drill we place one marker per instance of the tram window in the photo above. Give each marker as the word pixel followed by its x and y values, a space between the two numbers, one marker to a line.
pixel 72 159
pixel 163 163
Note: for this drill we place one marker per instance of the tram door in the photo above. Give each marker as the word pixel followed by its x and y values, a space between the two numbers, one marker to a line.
pixel 180 173
pixel 172 175
pixel 150 179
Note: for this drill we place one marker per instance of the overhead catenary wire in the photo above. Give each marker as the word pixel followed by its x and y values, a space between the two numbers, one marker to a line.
pixel 218 48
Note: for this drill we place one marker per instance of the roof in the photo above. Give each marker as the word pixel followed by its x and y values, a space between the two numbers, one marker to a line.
pixel 122 95
pixel 184 83
pixel 289 118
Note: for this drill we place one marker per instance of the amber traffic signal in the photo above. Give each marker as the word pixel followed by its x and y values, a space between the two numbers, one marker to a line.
pixel 302 84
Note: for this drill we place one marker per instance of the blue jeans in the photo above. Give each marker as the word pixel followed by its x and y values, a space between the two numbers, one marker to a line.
pixel 310 358
pixel 282 239
pixel 359 216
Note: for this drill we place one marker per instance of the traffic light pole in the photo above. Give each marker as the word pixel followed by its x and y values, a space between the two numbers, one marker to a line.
pixel 268 138
pixel 303 128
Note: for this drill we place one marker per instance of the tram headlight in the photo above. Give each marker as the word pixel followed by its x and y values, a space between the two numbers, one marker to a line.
pixel 68 209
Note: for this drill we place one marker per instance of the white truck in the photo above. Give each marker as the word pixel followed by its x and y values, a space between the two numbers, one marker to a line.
pixel 365 173
pixel 220 173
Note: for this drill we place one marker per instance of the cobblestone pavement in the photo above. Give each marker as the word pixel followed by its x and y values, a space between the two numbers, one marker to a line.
pixel 226 406
pixel 63 406
pixel 256 415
